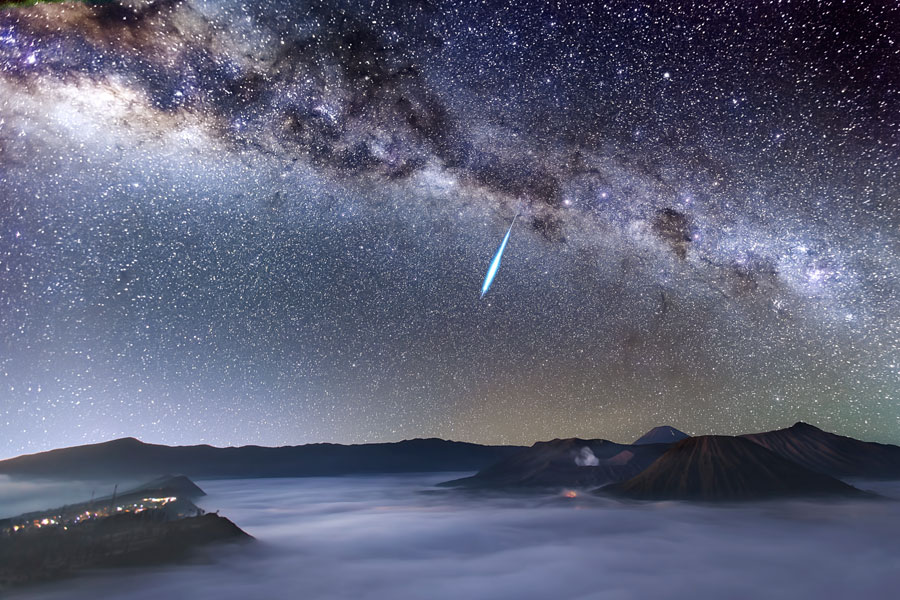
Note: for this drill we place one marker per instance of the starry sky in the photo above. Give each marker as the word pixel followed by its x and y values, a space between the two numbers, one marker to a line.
pixel 268 222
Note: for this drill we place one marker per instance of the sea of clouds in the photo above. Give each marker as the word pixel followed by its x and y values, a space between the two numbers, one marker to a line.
pixel 399 538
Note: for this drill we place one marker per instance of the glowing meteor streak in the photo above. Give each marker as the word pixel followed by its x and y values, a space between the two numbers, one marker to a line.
pixel 495 262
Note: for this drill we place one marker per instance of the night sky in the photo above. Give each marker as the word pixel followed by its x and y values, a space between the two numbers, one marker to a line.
pixel 268 222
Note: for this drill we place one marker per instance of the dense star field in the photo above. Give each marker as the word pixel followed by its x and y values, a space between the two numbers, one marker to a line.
pixel 268 222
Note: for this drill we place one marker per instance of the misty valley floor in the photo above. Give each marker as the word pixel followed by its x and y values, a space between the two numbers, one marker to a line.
pixel 382 537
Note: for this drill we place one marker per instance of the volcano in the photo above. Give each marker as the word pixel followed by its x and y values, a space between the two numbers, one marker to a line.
pixel 832 454
pixel 570 462
pixel 723 468
pixel 661 435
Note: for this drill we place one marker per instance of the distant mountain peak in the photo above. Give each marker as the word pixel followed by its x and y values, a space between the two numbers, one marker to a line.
pixel 664 434
pixel 131 441
pixel 802 425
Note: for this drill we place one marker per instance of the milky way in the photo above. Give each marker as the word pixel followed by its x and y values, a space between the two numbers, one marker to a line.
pixel 268 222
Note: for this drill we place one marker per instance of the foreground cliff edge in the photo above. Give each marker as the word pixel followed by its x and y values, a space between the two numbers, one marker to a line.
pixel 153 524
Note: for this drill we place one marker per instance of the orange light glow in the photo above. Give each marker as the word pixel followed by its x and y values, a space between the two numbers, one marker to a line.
pixel 570 494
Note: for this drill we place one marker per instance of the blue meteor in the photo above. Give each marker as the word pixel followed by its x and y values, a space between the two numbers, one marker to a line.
pixel 495 262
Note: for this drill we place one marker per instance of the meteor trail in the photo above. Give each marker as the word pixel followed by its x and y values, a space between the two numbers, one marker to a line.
pixel 495 262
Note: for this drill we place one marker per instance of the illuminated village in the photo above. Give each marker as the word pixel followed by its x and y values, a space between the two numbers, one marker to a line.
pixel 69 516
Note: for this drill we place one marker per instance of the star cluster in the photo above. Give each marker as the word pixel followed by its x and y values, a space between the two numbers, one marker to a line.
pixel 268 222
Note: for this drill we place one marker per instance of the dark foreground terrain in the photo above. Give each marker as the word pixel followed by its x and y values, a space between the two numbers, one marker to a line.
pixel 128 539
pixel 152 524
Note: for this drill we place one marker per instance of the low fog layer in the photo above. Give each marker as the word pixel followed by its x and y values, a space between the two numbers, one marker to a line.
pixel 382 537
pixel 19 495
